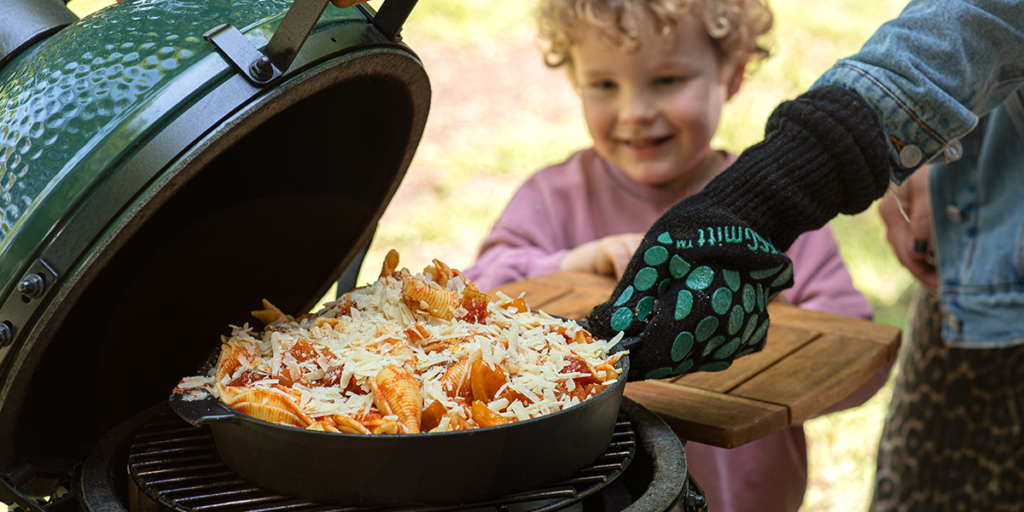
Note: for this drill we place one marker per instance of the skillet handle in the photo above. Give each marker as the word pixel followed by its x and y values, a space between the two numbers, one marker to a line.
pixel 200 408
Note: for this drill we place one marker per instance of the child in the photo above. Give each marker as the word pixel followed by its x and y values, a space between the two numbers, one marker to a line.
pixel 653 76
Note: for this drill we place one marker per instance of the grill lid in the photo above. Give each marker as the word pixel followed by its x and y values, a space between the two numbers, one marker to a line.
pixel 151 193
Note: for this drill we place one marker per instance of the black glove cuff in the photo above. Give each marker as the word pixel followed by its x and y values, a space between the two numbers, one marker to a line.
pixel 824 153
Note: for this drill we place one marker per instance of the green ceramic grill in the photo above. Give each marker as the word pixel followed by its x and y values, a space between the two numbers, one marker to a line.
pixel 164 166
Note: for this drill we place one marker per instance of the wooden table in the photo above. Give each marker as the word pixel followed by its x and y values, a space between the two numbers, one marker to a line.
pixel 811 361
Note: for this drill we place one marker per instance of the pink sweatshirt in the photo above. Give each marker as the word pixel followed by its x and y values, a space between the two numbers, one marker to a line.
pixel 585 199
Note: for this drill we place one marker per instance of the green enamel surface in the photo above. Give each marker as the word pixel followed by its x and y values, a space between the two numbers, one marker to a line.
pixel 748 297
pixel 621 319
pixel 644 307
pixel 684 304
pixel 626 295
pixel 678 267
pixel 716 366
pixel 735 320
pixel 706 328
pixel 656 255
pixel 82 99
pixel 783 277
pixel 645 279
pixel 760 297
pixel 728 349
pixel 682 346
pixel 665 238
pixel 700 278
pixel 732 279
pixel 660 373
pixel 684 367
pixel 721 300
pixel 712 344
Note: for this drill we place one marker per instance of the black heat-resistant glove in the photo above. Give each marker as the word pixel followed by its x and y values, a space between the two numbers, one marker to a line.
pixel 693 297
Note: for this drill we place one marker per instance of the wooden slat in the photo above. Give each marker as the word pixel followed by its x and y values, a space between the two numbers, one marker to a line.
pixel 538 292
pixel 708 417
pixel 782 341
pixel 782 314
pixel 817 375
pixel 576 305
pixel 581 280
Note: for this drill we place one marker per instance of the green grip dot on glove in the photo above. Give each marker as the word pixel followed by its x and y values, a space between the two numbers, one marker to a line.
pixel 711 312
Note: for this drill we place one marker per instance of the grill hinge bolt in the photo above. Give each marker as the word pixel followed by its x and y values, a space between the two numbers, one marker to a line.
pixel 6 336
pixel 33 286
pixel 262 69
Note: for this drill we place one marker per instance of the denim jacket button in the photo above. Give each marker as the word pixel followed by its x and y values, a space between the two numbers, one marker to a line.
pixel 910 155
pixel 954 214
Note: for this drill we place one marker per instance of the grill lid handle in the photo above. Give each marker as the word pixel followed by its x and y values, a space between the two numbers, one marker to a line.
pixel 261 68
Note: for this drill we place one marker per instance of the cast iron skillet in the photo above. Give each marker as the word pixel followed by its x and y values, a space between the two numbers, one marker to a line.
pixel 411 469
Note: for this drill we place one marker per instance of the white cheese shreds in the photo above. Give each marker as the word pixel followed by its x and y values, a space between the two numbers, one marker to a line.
pixel 326 364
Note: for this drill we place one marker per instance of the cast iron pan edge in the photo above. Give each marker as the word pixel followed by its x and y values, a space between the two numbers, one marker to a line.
pixel 413 469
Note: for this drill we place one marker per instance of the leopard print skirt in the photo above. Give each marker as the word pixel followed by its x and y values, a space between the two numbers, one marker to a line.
pixel 954 434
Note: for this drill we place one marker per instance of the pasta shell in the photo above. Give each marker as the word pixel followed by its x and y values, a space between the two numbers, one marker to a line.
pixel 233 355
pixel 266 405
pixel 454 381
pixel 436 301
pixel 348 425
pixel 270 314
pixel 397 392
pixel 326 425
pixel 390 264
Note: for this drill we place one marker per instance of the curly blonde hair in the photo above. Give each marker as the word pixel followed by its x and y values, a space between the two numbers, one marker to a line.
pixel 734 26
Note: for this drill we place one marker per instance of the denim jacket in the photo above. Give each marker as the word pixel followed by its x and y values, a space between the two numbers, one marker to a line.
pixel 941 78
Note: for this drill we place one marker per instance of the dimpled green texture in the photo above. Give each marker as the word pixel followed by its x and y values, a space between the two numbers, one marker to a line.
pixel 684 367
pixel 621 319
pixel 626 295
pixel 682 346
pixel 706 328
pixel 713 343
pixel 75 103
pixel 644 307
pixel 700 278
pixel 735 319
pixel 678 267
pixel 663 286
pixel 732 279
pixel 645 279
pixel 716 366
pixel 684 304
pixel 665 238
pixel 721 300
pixel 656 255
pixel 760 297
pixel 728 349
pixel 748 297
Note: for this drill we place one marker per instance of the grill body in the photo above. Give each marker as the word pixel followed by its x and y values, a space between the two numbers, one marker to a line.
pixel 151 195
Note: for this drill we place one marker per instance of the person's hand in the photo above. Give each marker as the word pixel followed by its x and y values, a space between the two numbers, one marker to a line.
pixel 605 256
pixel 912 241
pixel 694 296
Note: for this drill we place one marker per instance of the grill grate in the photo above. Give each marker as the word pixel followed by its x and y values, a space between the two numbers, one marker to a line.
pixel 177 466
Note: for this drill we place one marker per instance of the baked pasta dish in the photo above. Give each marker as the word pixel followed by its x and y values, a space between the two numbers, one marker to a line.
pixel 409 353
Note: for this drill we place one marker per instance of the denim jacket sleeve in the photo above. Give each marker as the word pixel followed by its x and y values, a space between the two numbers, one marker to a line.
pixel 933 71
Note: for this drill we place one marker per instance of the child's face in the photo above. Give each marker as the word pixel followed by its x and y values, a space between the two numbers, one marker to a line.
pixel 652 112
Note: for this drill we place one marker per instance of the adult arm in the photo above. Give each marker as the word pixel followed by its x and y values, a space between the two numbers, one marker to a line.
pixel 824 153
